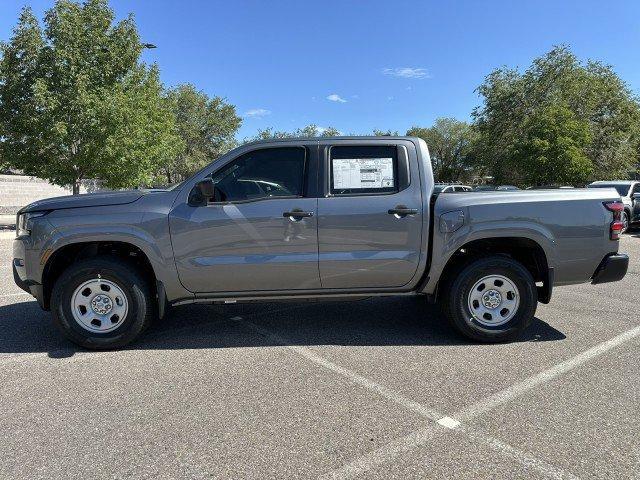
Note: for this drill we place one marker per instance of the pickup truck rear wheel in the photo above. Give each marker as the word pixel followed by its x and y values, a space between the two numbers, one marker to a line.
pixel 101 303
pixel 492 299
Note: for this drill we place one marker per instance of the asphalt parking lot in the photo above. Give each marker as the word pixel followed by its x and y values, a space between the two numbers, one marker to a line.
pixel 380 388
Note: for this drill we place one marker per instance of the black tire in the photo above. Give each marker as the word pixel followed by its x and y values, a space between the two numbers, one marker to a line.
pixel 456 304
pixel 141 305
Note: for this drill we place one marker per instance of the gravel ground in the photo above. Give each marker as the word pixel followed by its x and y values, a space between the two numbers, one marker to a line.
pixel 380 388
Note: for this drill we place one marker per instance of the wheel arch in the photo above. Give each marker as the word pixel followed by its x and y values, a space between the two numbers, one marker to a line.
pixel 525 250
pixel 59 259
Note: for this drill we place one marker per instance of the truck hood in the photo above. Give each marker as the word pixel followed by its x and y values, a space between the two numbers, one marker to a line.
pixel 85 200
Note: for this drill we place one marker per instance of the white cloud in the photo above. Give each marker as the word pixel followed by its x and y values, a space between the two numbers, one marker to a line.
pixel 407 72
pixel 334 97
pixel 257 113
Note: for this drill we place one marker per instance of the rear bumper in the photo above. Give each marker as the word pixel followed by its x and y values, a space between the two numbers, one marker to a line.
pixel 612 268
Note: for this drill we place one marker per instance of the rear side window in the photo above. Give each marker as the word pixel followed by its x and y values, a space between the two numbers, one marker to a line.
pixel 260 174
pixel 363 170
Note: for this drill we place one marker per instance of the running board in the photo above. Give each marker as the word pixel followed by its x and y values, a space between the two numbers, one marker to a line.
pixel 313 297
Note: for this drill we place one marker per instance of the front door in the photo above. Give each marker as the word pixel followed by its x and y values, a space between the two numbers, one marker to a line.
pixel 370 218
pixel 258 234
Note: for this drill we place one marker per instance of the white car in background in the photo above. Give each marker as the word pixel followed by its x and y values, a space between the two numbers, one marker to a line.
pixel 451 188
pixel 629 191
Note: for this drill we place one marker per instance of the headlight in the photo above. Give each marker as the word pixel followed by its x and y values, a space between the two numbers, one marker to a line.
pixel 24 222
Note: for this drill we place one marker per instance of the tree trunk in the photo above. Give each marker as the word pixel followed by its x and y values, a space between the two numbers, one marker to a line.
pixel 76 187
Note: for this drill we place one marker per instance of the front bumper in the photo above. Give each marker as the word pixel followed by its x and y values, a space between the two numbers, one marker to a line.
pixel 31 288
pixel 22 258
pixel 612 268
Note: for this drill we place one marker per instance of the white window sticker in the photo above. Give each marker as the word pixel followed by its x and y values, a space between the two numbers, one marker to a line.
pixel 354 173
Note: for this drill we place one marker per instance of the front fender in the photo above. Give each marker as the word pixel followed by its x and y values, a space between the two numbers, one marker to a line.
pixel 151 236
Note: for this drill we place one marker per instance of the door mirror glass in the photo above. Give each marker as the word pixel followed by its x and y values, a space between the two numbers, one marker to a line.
pixel 206 188
pixel 202 192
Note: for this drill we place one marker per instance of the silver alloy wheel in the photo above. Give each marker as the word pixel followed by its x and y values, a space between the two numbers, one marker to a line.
pixel 99 305
pixel 493 300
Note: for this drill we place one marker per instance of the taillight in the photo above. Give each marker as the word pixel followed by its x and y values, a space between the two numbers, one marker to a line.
pixel 615 228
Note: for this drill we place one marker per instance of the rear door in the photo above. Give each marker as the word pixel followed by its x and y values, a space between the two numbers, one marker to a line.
pixel 369 214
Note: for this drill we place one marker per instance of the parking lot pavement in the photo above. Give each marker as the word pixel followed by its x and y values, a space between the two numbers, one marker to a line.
pixel 380 388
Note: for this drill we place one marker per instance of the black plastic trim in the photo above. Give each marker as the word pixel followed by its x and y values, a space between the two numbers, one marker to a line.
pixel 162 299
pixel 16 278
pixel 545 291
pixel 612 268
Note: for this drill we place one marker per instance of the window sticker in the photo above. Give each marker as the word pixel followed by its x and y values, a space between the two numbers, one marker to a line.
pixel 359 173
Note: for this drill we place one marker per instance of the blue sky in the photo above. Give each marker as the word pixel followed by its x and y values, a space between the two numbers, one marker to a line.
pixel 359 65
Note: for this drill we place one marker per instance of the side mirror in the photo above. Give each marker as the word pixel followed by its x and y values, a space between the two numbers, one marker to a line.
pixel 206 188
pixel 202 192
pixel 636 196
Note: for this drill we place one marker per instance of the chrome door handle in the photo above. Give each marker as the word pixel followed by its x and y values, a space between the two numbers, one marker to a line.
pixel 402 211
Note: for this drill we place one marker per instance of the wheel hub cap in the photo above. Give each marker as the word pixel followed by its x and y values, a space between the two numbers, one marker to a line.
pixel 493 300
pixel 101 304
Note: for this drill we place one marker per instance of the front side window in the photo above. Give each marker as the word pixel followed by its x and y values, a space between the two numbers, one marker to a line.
pixel 363 169
pixel 264 173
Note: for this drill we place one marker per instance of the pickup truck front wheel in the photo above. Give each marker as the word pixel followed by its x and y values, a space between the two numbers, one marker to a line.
pixel 101 303
pixel 492 299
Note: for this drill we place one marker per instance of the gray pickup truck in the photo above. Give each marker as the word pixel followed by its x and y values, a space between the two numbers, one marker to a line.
pixel 336 218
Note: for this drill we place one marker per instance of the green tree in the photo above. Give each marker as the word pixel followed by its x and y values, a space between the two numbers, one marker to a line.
pixel 76 102
pixel 206 127
pixel 552 149
pixel 385 133
pixel 310 131
pixel 555 85
pixel 450 143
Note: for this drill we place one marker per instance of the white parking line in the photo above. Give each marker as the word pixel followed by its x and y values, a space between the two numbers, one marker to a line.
pixel 345 372
pixel 519 388
pixel 523 458
pixel 392 450
pixel 415 439
pixel 386 454
pixel 449 422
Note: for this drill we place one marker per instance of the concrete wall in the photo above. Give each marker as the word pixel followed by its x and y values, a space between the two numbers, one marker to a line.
pixel 17 191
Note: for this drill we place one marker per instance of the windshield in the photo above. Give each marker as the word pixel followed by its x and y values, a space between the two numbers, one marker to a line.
pixel 622 188
pixel 438 188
